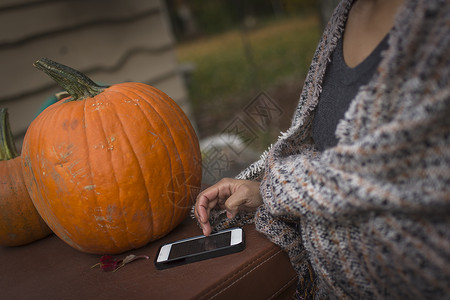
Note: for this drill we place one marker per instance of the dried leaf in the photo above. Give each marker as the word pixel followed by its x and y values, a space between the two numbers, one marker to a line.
pixel 110 263
pixel 129 259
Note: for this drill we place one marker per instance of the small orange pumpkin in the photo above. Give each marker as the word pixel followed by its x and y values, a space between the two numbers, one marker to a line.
pixel 20 222
pixel 110 168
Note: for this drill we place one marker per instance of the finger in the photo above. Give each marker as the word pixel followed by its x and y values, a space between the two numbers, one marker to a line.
pixel 202 203
pixel 233 204
pixel 246 197
pixel 220 191
pixel 213 196
pixel 206 228
pixel 202 214
pixel 203 208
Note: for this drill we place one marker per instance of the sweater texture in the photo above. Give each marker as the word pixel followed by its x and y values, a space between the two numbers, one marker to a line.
pixel 370 217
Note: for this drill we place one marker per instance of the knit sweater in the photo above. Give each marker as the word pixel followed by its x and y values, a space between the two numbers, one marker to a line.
pixel 368 218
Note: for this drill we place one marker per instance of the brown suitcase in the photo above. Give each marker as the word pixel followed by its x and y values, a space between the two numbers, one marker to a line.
pixel 50 269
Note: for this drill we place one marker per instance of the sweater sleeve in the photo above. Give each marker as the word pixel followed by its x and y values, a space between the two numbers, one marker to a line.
pixel 373 211
pixel 402 166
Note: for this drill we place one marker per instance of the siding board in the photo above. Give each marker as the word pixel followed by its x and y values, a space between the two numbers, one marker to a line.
pixel 18 4
pixel 142 67
pixel 99 47
pixel 49 17
pixel 129 41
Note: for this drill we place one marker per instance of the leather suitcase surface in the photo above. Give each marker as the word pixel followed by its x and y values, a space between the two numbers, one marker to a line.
pixel 50 269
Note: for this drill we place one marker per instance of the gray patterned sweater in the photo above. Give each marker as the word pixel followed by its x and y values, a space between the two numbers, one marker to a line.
pixel 369 218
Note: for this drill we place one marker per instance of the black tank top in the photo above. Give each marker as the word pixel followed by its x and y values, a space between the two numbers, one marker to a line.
pixel 340 85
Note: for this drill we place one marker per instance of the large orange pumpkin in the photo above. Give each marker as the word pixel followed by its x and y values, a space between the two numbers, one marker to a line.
pixel 20 223
pixel 110 168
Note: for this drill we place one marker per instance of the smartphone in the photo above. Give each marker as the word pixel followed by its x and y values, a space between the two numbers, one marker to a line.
pixel 200 247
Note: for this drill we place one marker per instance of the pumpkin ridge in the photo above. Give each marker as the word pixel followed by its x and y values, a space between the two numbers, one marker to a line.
pixel 55 118
pixel 188 130
pixel 167 104
pixel 20 222
pixel 99 117
pixel 172 140
pixel 69 237
pixel 40 134
pixel 126 135
pixel 41 191
pixel 179 114
pixel 164 143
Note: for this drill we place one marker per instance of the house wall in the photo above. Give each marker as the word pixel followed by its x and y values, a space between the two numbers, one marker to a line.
pixel 111 41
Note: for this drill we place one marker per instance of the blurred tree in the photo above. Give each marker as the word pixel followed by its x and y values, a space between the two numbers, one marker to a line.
pixel 191 18
pixel 299 6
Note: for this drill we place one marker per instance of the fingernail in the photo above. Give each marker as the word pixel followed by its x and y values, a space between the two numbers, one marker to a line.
pixel 229 215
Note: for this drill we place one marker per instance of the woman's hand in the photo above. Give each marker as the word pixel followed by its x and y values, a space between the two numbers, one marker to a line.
pixel 230 194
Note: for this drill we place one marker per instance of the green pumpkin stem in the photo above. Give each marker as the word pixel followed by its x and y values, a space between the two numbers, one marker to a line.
pixel 7 147
pixel 78 85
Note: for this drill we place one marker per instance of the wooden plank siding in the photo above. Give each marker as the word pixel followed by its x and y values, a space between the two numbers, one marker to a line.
pixel 110 41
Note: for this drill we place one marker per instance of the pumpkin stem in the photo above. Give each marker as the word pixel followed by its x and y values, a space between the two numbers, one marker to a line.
pixel 7 147
pixel 78 85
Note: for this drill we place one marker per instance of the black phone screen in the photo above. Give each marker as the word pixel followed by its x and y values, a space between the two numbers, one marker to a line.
pixel 203 244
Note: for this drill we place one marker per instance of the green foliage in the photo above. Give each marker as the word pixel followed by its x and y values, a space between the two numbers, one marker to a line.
pixel 300 6
pixel 278 50
pixel 212 17
pixel 226 77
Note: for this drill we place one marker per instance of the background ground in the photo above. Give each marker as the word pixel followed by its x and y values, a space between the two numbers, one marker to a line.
pixel 234 74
